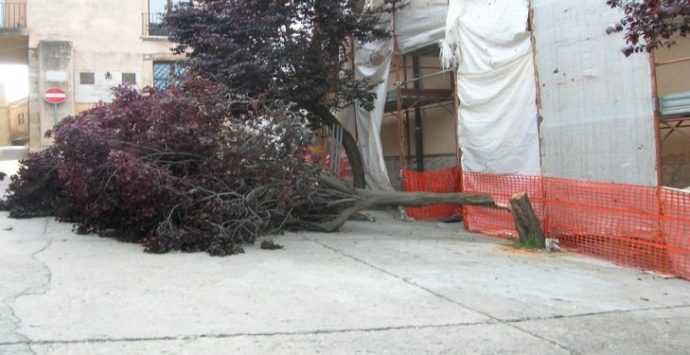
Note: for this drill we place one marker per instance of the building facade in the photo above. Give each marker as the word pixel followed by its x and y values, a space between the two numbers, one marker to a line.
pixel 18 116
pixel 85 48
pixel 4 118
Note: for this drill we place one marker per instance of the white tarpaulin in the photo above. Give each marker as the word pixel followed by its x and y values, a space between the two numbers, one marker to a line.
pixel 490 44
pixel 373 62
pixel 419 23
pixel 596 103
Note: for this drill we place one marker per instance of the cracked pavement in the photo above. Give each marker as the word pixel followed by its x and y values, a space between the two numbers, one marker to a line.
pixel 389 287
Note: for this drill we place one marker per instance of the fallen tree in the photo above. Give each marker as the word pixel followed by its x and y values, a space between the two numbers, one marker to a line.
pixel 341 202
pixel 190 169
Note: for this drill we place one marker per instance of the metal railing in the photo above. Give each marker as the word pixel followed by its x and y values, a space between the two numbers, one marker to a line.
pixel 12 14
pixel 152 24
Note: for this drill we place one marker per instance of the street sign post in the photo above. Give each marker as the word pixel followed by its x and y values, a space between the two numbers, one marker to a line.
pixel 55 96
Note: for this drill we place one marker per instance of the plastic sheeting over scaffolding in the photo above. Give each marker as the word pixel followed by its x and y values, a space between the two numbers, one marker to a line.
pixel 373 62
pixel 597 104
pixel 489 43
pixel 418 24
pixel 597 108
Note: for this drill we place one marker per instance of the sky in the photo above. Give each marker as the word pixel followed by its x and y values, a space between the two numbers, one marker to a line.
pixel 15 79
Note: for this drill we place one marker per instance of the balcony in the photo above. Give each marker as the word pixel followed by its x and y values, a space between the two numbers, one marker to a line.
pixel 153 25
pixel 14 39
pixel 12 15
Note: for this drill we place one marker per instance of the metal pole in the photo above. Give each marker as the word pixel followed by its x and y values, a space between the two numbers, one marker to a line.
pixel 418 133
pixel 354 70
pixel 657 121
pixel 55 113
pixel 658 144
pixel 398 89
pixel 674 61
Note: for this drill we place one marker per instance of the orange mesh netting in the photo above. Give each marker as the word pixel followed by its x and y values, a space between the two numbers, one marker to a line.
pixel 444 180
pixel 501 187
pixel 637 226
pixel 614 221
pixel 675 228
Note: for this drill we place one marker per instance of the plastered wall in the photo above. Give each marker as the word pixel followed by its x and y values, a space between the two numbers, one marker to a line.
pixel 4 118
pixel 19 120
pixel 103 36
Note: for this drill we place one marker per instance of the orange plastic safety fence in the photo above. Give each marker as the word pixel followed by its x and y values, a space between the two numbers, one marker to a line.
pixel 444 180
pixel 501 187
pixel 638 226
pixel 675 227
pixel 617 222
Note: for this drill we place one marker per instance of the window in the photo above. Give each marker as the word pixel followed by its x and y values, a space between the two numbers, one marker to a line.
pixel 167 73
pixel 87 78
pixel 20 119
pixel 129 79
pixel 154 25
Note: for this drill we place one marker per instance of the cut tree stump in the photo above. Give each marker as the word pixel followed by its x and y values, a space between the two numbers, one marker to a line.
pixel 526 221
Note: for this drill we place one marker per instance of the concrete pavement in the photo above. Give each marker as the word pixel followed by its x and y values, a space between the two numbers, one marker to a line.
pixel 389 287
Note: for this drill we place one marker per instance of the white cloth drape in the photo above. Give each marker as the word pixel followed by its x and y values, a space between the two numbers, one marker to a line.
pixel 489 43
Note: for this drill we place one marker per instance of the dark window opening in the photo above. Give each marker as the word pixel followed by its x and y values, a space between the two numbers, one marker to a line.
pixel 87 78
pixel 129 79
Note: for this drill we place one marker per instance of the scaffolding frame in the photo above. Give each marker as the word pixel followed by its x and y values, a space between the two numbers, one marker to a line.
pixel 670 123
pixel 408 99
pixel 415 98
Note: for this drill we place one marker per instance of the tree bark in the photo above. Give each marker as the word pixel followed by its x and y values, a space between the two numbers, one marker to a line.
pixel 369 199
pixel 526 221
pixel 349 143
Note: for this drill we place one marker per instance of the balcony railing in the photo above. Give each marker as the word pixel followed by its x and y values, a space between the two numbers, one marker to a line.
pixel 12 14
pixel 153 24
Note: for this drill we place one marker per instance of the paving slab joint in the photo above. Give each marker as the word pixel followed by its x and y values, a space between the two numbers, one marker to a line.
pixel 445 298
pixel 35 290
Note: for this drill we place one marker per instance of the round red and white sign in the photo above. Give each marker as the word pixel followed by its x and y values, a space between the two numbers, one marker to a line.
pixel 55 95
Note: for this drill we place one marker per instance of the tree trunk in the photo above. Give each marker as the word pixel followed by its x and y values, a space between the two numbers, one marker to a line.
pixel 350 145
pixel 365 199
pixel 527 223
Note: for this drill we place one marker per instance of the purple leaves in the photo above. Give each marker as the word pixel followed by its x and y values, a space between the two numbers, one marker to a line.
pixel 181 169
pixel 650 24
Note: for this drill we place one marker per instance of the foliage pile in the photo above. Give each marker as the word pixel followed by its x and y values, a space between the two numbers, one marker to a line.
pixel 193 168
pixel 172 170
pixel 175 170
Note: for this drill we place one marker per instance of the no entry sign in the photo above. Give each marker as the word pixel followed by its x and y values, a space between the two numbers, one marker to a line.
pixel 55 95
